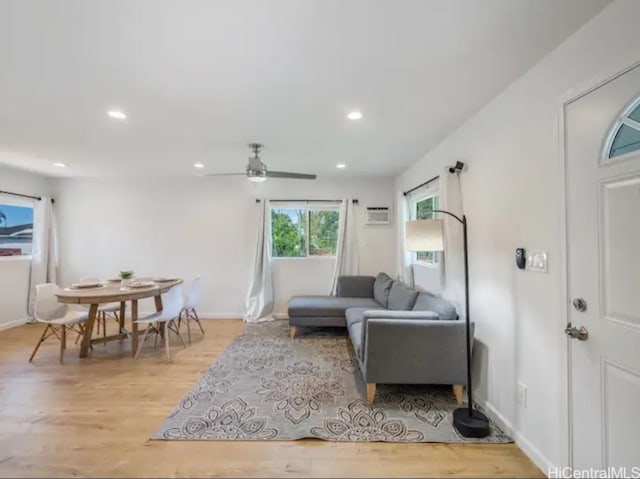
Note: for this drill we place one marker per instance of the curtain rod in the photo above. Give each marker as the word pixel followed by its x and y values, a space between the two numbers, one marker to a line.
pixel 39 198
pixel 355 201
pixel 421 185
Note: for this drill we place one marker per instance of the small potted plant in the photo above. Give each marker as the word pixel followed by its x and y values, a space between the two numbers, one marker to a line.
pixel 126 277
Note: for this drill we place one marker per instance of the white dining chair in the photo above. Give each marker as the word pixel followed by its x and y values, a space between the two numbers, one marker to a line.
pixel 106 310
pixel 58 317
pixel 164 321
pixel 188 311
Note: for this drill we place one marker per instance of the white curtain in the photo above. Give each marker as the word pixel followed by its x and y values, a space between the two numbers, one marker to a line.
pixel 44 253
pixel 406 257
pixel 452 269
pixel 260 298
pixel 347 260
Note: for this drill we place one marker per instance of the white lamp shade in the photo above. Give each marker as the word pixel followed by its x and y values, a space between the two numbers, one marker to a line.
pixel 424 235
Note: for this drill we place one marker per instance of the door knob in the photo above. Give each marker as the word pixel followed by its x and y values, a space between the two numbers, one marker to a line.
pixel 580 304
pixel 580 334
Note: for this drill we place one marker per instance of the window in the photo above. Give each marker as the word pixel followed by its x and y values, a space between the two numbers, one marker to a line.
pixel 303 232
pixel 422 209
pixel 16 229
pixel 625 135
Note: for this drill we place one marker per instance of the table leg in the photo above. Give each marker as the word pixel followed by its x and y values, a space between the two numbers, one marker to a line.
pixel 134 326
pixel 88 331
pixel 158 303
pixel 123 309
pixel 158 300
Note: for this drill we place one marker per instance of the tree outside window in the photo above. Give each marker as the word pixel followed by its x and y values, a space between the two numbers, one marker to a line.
pixel 303 232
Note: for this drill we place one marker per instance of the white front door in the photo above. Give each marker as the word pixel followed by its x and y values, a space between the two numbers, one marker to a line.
pixel 603 215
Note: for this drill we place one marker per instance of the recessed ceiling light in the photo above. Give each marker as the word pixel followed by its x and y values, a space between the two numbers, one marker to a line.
pixel 198 165
pixel 117 114
pixel 354 115
pixel 59 165
pixel 341 166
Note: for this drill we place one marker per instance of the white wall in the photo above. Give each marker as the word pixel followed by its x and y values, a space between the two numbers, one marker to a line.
pixel 203 226
pixel 14 272
pixel 512 194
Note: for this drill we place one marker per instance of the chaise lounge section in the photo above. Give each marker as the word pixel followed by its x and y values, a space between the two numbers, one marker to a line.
pixel 399 335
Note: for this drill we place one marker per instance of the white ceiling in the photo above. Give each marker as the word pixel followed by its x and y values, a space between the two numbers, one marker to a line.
pixel 201 78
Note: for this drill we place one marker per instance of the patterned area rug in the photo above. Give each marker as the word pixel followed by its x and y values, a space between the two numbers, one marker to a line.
pixel 268 386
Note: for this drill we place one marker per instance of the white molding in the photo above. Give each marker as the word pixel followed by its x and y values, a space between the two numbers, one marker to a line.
pixel 19 257
pixel 595 82
pixel 496 416
pixel 220 315
pixel 204 315
pixel 13 324
pixel 531 451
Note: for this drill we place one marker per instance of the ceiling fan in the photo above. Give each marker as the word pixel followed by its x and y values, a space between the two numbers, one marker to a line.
pixel 257 171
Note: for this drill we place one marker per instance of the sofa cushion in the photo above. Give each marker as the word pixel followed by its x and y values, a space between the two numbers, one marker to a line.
pixel 355 333
pixel 354 315
pixel 355 286
pixel 381 288
pixel 401 297
pixel 443 308
pixel 332 306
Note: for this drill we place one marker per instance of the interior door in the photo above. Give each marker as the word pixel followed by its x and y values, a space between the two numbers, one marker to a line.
pixel 603 214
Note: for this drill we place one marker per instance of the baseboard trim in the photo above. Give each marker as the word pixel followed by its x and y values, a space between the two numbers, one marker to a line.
pixel 497 417
pixel 13 324
pixel 220 315
pixel 533 453
pixel 522 442
pixel 203 315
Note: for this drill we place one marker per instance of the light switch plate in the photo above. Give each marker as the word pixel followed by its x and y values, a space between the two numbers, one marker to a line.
pixel 537 261
pixel 522 395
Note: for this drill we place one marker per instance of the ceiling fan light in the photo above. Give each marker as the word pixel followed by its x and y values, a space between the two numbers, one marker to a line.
pixel 256 176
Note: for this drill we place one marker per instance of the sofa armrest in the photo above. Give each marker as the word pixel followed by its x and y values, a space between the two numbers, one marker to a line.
pixel 414 351
pixel 355 286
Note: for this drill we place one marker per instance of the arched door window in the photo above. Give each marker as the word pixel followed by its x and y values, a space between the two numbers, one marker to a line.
pixel 624 137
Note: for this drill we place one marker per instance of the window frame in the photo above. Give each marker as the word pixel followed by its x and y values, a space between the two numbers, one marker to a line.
pixel 621 119
pixel 25 203
pixel 413 215
pixel 308 207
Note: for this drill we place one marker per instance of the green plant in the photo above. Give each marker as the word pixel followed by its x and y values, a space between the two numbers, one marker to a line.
pixel 126 274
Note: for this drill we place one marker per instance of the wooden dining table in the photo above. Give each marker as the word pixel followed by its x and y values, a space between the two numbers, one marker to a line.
pixel 113 292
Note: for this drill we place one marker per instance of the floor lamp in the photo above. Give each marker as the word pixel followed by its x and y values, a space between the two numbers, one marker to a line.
pixel 427 235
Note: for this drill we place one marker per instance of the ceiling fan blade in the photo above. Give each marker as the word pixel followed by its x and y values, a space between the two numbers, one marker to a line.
pixel 226 174
pixel 293 176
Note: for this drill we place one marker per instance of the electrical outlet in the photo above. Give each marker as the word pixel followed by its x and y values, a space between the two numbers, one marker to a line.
pixel 522 395
pixel 537 261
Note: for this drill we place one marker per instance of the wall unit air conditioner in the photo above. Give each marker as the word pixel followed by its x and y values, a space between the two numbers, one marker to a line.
pixel 378 215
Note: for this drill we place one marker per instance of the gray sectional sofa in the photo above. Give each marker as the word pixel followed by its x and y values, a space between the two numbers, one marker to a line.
pixel 400 335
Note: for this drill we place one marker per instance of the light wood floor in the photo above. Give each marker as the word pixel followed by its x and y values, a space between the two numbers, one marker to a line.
pixel 93 417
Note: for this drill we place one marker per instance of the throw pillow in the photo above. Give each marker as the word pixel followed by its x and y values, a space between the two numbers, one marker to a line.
pixel 381 288
pixel 401 297
pixel 443 308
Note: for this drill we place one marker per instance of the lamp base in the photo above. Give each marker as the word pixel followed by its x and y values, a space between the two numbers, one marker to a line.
pixel 475 424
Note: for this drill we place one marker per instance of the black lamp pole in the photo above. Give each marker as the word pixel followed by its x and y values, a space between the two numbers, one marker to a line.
pixel 468 421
